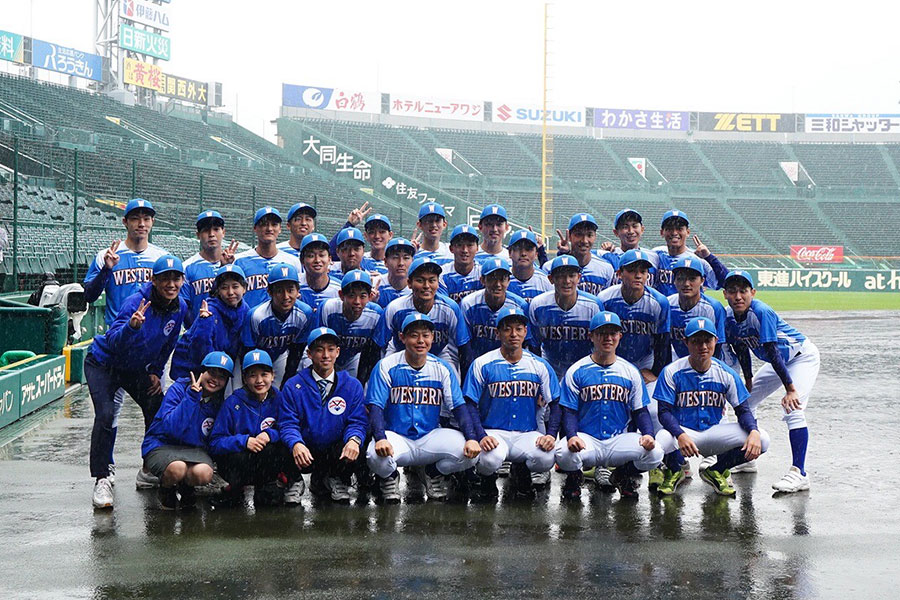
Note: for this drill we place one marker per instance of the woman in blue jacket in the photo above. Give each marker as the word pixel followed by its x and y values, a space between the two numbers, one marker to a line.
pixel 218 326
pixel 174 447
pixel 244 439
pixel 130 356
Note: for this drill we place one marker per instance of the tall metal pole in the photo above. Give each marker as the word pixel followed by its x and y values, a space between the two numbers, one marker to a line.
pixel 75 225
pixel 15 271
pixel 200 205
pixel 133 178
pixel 546 151
pixel 253 199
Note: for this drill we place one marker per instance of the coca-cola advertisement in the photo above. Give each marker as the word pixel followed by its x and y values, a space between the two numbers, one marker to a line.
pixel 818 254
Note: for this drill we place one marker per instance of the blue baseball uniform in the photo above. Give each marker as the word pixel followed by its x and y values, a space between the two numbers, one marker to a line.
pixel 287 248
pixel 387 292
pixel 313 298
pixel 441 256
pixel 241 417
pixel 375 264
pixel 281 337
pixel 706 307
pixel 356 336
pixel 664 278
pixel 596 275
pixel 256 270
pixel 132 271
pixel 456 286
pixel 641 322
pixel 613 257
pixel 563 334
pixel 537 284
pixel 482 255
pixel 199 276
pixel 450 330
pixel 480 319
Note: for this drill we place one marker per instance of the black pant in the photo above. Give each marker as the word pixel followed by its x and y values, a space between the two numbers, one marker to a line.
pixel 255 468
pixel 327 462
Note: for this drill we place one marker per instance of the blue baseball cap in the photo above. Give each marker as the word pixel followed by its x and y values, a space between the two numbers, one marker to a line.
pixel 625 212
pixel 256 357
pixel 566 260
pixel 301 206
pixel 313 238
pixel 582 218
pixel 400 244
pixel 688 262
pixel 416 317
pixel 266 210
pixel 231 270
pixel 209 215
pixel 674 214
pixel 218 360
pixel 700 325
pixel 350 234
pixel 633 256
pixel 424 262
pixel 322 332
pixel 167 263
pixel 282 272
pixel 523 235
pixel 463 230
pixel 493 210
pixel 431 208
pixel 510 312
pixel 495 264
pixel 605 317
pixel 356 276
pixel 746 276
pixel 139 204
pixel 378 218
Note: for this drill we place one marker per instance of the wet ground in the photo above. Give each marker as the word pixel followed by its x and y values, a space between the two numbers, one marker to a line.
pixel 838 540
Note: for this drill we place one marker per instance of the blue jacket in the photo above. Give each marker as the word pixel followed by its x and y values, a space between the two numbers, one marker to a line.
pixel 184 419
pixel 306 419
pixel 240 418
pixel 146 349
pixel 221 331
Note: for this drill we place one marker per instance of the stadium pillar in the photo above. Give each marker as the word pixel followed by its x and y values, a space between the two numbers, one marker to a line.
pixel 200 206
pixel 133 178
pixel 15 269
pixel 75 224
pixel 253 199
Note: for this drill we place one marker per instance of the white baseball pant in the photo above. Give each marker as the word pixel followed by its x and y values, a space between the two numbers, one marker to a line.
pixel 517 447
pixel 803 369
pixel 611 452
pixel 441 447
pixel 718 439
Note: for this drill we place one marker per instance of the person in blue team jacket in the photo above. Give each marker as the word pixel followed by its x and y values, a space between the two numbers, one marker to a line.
pixel 323 420
pixel 131 356
pixel 175 445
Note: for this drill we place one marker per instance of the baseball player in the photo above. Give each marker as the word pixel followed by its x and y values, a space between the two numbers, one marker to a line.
pixel 323 421
pixel 602 395
pixel 527 281
pixel 690 302
pixel 301 219
pixel 316 285
pixel 354 218
pixel 200 269
pixel 451 335
pixel 256 262
pixel 351 246
pixel 281 325
pixel 628 226
pixel 131 356
pixel 175 445
pixel 692 393
pixel 791 360
pixel 675 229
pixel 463 276
pixel 356 322
pixel 405 394
pixel 398 255
pixel 562 316
pixel 378 233
pixel 507 389
pixel 493 226
pixel 432 222
pixel 578 241
pixel 480 309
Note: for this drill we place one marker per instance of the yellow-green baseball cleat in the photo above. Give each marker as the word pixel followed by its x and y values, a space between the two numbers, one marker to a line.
pixel 654 478
pixel 670 482
pixel 718 481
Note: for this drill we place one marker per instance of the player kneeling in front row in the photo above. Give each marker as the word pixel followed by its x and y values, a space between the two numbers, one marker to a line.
pixel 323 421
pixel 692 393
pixel 244 438
pixel 175 446
pixel 505 390
pixel 601 395
pixel 405 393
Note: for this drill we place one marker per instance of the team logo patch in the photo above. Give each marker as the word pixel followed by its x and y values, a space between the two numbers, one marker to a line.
pixel 207 426
pixel 337 405
pixel 266 423
pixel 169 327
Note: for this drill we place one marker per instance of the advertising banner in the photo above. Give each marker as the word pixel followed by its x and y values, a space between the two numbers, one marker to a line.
pixel 430 108
pixel 510 112
pixel 11 47
pixel 818 254
pixel 9 397
pixel 838 280
pixel 150 76
pixel 654 120
pixel 41 384
pixel 49 56
pixel 145 75
pixel 748 122
pixel 852 124
pixel 307 96
pixel 145 13
pixel 144 42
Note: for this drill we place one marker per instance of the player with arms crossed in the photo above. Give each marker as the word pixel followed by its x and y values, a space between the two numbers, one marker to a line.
pixel 792 361
pixel 405 394
pixel 692 393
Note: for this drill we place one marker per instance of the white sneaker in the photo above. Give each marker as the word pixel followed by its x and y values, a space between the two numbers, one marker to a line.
pixel 103 493
pixel 707 462
pixel 437 487
pixel 793 481
pixel 340 491
pixel 294 492
pixel 112 474
pixel 747 467
pixel 146 480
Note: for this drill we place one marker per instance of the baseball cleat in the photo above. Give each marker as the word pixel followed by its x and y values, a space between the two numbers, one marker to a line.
pixel 486 488
pixel 146 480
pixel 389 488
pixel 522 480
pixel 719 481
pixel 540 480
pixel 103 494
pixel 747 467
pixel 294 491
pixel 655 477
pixel 572 487
pixel 503 471
pixel 340 490
pixel 793 481
pixel 602 476
pixel 670 482
pixel 437 487
pixel 627 486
